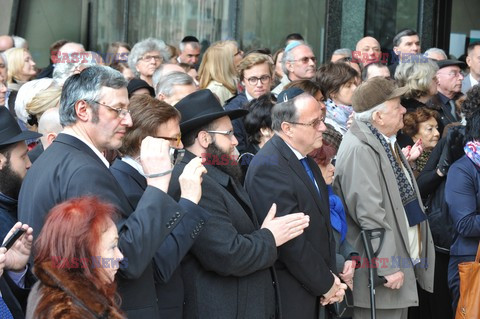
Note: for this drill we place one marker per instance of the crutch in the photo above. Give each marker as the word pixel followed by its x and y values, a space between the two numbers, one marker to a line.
pixel 373 279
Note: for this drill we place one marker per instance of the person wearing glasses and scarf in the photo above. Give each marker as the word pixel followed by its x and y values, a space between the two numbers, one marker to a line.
pixel 152 117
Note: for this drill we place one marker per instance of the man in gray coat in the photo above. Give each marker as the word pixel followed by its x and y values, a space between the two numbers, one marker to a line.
pixel 379 191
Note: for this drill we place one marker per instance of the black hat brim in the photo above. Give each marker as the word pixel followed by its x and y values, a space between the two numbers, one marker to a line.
pixel 200 121
pixel 24 135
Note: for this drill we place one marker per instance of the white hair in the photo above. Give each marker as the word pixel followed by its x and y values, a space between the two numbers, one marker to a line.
pixel 367 116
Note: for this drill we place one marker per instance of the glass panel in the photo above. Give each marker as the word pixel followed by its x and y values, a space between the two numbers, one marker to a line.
pixel 265 23
pixel 171 20
pixel 386 18
pixel 465 26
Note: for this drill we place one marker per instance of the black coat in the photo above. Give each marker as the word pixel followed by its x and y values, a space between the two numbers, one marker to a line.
pixel 168 275
pixel 435 103
pixel 228 272
pixel 15 297
pixel 304 265
pixel 68 169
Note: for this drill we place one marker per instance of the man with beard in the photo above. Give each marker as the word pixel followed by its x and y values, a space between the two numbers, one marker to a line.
pixel 228 272
pixel 14 164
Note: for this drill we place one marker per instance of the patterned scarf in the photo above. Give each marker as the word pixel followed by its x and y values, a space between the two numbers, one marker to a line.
pixel 338 218
pixel 472 150
pixel 414 213
pixel 338 113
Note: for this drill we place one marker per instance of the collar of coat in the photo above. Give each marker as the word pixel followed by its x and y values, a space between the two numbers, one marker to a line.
pixel 61 288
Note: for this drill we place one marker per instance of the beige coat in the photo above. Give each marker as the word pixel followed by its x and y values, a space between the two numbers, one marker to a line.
pixel 366 183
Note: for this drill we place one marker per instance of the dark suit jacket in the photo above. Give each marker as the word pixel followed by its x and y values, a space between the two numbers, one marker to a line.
pixel 15 297
pixel 34 153
pixel 68 169
pixel 228 272
pixel 435 103
pixel 275 175
pixel 168 275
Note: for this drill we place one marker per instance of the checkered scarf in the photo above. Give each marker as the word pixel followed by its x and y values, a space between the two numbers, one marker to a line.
pixel 410 202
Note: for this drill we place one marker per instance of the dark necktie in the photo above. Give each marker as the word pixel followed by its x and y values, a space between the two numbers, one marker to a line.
pixel 452 109
pixel 307 168
pixel 4 312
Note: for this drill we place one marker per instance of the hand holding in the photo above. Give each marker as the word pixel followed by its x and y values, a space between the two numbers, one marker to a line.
pixel 395 280
pixel 191 180
pixel 336 292
pixel 286 227
pixel 17 256
pixel 348 272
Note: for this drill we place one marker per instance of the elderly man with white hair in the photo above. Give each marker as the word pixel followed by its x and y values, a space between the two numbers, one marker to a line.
pixel 174 87
pixel 49 126
pixel 379 191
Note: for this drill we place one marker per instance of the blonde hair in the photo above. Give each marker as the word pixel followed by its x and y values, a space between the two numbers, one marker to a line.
pixel 253 59
pixel 217 65
pixel 16 61
pixel 43 101
pixel 416 76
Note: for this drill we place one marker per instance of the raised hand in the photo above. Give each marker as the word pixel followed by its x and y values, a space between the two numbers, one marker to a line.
pixel 191 180
pixel 286 227
pixel 17 256
pixel 155 159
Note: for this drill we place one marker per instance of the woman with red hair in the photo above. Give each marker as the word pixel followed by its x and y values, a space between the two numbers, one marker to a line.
pixel 76 258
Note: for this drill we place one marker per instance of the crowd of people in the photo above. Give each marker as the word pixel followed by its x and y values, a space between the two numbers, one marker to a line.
pixel 160 181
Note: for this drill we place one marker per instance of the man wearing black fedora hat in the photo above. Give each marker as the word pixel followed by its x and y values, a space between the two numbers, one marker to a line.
pixel 14 164
pixel 95 116
pixel 13 167
pixel 228 272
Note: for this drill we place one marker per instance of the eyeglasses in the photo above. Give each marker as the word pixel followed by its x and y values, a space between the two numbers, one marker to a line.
pixel 305 59
pixel 148 58
pixel 315 124
pixel 176 139
pixel 454 74
pixel 254 80
pixel 226 133
pixel 121 113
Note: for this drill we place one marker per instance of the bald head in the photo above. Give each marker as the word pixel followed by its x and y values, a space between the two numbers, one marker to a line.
pixel 49 126
pixel 6 42
pixel 65 51
pixel 369 49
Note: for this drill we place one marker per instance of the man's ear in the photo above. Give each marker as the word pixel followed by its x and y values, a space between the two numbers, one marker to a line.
pixel 51 137
pixel 161 97
pixel 83 110
pixel 395 49
pixel 468 60
pixel 3 161
pixel 204 139
pixel 289 66
pixel 287 129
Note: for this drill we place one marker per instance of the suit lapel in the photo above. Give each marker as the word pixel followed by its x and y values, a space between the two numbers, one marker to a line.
pixel 132 172
pixel 299 170
pixel 76 143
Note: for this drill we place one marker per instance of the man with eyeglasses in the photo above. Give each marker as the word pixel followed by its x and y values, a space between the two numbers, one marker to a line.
pixel 378 188
pixel 306 266
pixel 298 63
pixel 155 118
pixel 95 116
pixel 228 272
pixel 449 89
pixel 255 73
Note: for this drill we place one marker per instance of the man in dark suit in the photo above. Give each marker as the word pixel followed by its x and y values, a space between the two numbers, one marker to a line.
pixel 282 172
pixel 473 61
pixel 228 272
pixel 449 86
pixel 152 117
pixel 94 115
